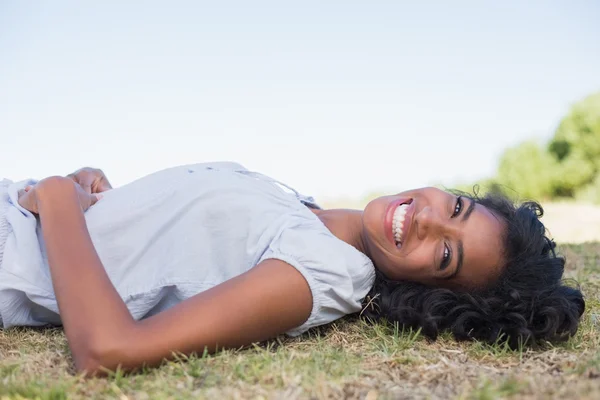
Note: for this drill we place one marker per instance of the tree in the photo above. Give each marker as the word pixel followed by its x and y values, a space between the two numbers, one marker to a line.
pixel 576 147
pixel 528 170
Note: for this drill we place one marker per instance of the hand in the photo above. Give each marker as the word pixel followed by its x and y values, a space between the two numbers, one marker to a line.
pixel 56 187
pixel 91 180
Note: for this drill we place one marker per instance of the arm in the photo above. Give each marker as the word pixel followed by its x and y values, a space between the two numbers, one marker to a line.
pixel 259 304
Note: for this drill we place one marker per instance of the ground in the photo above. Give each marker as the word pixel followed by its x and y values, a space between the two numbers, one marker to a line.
pixel 347 359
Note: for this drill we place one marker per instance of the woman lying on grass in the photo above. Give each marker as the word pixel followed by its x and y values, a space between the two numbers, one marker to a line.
pixel 212 255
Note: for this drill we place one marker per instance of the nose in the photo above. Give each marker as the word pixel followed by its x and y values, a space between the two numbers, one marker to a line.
pixel 430 222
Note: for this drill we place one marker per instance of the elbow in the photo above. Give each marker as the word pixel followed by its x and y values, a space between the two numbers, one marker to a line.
pixel 98 358
pixel 89 366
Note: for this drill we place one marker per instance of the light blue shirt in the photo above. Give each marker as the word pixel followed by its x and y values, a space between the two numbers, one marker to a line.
pixel 178 232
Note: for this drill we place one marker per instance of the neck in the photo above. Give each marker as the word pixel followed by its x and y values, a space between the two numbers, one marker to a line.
pixel 346 225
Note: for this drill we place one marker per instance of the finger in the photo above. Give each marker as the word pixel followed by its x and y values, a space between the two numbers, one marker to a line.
pixel 103 186
pixel 28 188
pixel 96 198
pixel 73 177
pixel 86 187
pixel 23 200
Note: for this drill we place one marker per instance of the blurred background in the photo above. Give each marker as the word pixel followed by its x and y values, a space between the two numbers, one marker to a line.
pixel 343 100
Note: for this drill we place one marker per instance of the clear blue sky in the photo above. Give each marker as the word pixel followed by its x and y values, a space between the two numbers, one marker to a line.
pixel 336 98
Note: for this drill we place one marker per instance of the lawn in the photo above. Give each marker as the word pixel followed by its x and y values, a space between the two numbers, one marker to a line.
pixel 347 359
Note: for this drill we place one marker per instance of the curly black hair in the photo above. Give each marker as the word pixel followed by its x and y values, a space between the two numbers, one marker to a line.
pixel 528 304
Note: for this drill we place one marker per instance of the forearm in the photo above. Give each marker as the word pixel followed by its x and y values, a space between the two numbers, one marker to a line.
pixel 271 298
pixel 91 310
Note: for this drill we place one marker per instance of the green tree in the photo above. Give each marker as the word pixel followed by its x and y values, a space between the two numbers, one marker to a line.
pixel 590 193
pixel 528 170
pixel 576 147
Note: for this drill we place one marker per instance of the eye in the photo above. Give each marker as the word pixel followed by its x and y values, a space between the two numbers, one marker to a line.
pixel 446 257
pixel 458 207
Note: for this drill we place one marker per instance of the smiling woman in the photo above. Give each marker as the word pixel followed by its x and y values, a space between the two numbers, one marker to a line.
pixel 507 278
pixel 429 236
pixel 206 256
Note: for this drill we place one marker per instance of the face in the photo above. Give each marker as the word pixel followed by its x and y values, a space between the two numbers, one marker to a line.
pixel 435 238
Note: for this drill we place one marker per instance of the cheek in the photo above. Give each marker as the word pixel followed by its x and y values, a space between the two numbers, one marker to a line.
pixel 416 265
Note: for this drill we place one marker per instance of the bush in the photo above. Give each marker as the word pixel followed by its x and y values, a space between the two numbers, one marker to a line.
pixel 528 170
pixel 568 166
pixel 576 147
pixel 590 193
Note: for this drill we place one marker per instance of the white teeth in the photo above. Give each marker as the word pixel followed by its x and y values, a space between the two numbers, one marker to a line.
pixel 398 222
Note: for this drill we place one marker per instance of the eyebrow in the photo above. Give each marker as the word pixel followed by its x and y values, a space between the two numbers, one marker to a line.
pixel 470 209
pixel 461 257
pixel 461 250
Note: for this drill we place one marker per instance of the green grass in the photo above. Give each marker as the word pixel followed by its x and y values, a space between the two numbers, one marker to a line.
pixel 347 359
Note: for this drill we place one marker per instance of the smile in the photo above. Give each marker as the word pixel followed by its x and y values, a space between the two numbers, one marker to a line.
pixel 399 220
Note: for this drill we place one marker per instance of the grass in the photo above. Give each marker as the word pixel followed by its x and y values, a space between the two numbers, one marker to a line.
pixel 347 359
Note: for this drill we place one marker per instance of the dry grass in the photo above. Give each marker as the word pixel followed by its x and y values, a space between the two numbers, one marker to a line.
pixel 348 359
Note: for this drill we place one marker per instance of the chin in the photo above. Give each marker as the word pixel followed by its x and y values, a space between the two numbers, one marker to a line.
pixel 375 210
pixel 373 216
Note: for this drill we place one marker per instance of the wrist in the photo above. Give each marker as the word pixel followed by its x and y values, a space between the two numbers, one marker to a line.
pixel 55 188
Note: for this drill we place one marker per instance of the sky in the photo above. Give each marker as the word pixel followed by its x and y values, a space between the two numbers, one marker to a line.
pixel 335 98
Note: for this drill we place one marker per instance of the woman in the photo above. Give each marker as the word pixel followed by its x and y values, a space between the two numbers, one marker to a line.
pixel 207 256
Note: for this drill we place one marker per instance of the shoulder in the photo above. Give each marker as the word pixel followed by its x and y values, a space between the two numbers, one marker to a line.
pixel 339 276
pixel 308 240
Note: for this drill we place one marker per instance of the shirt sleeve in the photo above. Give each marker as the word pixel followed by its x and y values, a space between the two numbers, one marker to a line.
pixel 339 276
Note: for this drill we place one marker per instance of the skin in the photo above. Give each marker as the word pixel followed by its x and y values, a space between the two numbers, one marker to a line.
pixel 433 227
pixel 91 180
pixel 268 300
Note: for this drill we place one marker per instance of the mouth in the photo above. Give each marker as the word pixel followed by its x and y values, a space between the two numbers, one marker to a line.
pixel 398 220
